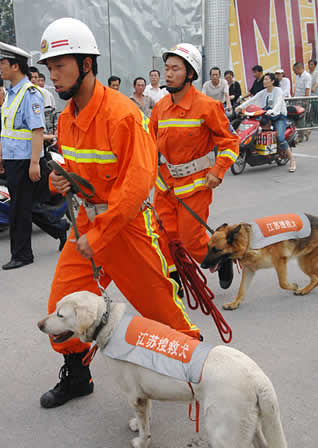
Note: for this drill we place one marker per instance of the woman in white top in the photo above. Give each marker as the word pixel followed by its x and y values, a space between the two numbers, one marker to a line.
pixel 284 83
pixel 272 99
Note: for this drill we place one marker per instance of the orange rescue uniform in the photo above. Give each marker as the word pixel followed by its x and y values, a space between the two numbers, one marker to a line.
pixel 187 131
pixel 110 145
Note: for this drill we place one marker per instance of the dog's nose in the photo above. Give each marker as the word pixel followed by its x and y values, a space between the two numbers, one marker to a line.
pixel 41 324
pixel 205 264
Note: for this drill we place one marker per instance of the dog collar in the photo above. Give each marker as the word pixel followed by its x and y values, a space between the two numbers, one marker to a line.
pixel 104 318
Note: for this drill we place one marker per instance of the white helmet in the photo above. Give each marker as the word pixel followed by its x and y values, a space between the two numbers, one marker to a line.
pixel 189 53
pixel 67 36
pixel 11 52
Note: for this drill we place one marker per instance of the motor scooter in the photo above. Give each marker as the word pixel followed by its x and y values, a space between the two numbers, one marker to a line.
pixel 55 207
pixel 258 145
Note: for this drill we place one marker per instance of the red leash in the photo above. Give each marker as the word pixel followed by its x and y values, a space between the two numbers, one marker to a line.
pixel 195 283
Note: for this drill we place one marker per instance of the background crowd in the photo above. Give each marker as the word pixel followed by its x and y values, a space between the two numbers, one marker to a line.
pixel 225 89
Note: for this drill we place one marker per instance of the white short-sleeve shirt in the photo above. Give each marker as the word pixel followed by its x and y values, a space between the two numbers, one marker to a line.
pixel 303 82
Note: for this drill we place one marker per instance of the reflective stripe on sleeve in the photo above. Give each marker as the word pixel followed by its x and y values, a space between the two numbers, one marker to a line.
pixel 88 155
pixel 176 123
pixel 145 122
pixel 227 153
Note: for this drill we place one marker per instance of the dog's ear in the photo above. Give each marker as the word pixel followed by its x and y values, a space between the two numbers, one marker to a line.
pixel 221 227
pixel 232 234
pixel 85 316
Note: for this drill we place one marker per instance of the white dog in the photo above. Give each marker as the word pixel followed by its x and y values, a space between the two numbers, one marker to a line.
pixel 238 400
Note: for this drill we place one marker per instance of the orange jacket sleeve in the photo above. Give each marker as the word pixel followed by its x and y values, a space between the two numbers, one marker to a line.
pixel 224 137
pixel 137 169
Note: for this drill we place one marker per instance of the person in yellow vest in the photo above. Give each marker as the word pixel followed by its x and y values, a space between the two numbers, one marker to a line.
pixel 21 149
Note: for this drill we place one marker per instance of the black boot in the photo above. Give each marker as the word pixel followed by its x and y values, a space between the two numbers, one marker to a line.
pixel 225 272
pixel 75 381
pixel 175 276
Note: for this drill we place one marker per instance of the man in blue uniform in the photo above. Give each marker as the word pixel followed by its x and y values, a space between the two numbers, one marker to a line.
pixel 21 150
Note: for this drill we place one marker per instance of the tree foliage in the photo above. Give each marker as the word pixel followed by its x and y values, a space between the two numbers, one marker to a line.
pixel 7 29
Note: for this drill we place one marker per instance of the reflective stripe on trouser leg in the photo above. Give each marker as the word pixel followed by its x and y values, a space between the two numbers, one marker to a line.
pixel 166 206
pixel 139 269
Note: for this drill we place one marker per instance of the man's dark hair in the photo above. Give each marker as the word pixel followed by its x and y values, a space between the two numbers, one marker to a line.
pixel 154 70
pixel 137 79
pixel 22 63
pixel 33 69
pixel 314 61
pixel 113 78
pixel 298 64
pixel 257 68
pixel 215 68
pixel 42 76
pixel 228 72
pixel 80 58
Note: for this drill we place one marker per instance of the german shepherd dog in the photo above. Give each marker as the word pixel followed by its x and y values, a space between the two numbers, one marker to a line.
pixel 233 242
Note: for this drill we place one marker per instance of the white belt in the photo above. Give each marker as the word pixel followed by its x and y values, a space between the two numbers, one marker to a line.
pixel 185 169
pixel 93 210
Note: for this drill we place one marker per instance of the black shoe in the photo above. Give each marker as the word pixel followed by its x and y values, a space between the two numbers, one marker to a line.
pixel 226 274
pixel 15 264
pixel 75 381
pixel 175 276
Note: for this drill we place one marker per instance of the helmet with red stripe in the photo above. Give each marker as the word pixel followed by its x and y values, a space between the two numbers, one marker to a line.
pixel 189 53
pixel 67 36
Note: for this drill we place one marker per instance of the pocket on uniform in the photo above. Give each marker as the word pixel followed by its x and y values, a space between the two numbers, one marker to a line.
pixel 107 172
pixel 191 136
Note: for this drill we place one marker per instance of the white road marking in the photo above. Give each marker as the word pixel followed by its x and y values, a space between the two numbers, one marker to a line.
pixel 305 155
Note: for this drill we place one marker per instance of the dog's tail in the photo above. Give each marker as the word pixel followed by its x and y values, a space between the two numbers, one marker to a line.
pixel 271 425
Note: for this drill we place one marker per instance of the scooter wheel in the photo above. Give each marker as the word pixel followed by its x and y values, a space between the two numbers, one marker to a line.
pixel 240 163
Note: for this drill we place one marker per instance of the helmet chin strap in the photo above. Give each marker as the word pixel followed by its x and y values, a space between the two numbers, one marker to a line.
pixel 178 89
pixel 67 94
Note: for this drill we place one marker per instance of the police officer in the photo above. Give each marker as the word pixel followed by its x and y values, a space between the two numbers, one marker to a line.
pixel 21 150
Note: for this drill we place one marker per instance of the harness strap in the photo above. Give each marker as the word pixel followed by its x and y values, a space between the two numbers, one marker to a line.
pixel 193 213
pixel 197 410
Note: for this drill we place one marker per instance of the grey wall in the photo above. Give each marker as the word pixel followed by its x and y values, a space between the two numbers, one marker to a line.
pixel 131 34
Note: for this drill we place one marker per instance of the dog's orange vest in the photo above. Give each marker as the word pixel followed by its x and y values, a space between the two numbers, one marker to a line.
pixel 157 347
pixel 277 228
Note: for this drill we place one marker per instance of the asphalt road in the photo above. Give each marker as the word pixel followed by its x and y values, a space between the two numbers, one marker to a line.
pixel 277 329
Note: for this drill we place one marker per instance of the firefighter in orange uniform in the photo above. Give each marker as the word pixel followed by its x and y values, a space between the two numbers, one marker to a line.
pixel 188 124
pixel 105 139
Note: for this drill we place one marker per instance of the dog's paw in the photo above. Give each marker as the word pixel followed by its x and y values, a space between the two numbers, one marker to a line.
pixel 300 292
pixel 295 287
pixel 138 442
pixel 133 426
pixel 230 306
